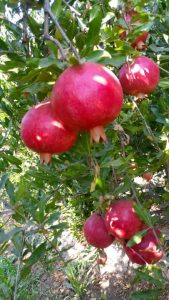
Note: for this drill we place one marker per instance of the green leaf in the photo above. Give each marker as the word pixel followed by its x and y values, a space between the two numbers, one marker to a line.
pixel 12 27
pixel 12 159
pixel 3 45
pixel 136 239
pixel 164 83
pixel 10 190
pixel 34 26
pixel 57 7
pixel 113 163
pixel 53 218
pixel 36 255
pixel 3 180
pixel 144 276
pixel 94 26
pixel 9 235
pixel 143 214
pixel 146 295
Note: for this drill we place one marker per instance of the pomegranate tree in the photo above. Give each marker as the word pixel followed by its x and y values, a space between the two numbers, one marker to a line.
pixel 42 132
pixel 140 77
pixel 96 233
pixel 86 97
pixel 121 219
pixel 147 251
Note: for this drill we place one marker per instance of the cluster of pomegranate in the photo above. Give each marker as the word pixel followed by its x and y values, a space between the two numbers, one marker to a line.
pixel 85 97
pixel 121 222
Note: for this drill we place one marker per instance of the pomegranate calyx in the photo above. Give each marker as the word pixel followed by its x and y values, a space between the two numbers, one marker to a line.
pixel 45 158
pixel 140 96
pixel 141 46
pixel 97 135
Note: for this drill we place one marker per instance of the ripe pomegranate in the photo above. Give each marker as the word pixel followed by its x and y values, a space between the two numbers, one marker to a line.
pixel 147 176
pixel 96 233
pixel 86 97
pixel 147 250
pixel 42 132
pixel 140 77
pixel 139 42
pixel 121 220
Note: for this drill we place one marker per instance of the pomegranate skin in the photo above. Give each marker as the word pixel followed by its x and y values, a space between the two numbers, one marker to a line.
pixel 121 220
pixel 95 232
pixel 140 77
pixel 146 251
pixel 142 38
pixel 90 94
pixel 42 132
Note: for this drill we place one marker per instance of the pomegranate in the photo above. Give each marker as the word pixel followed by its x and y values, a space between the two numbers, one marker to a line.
pixel 147 176
pixel 139 42
pixel 147 250
pixel 42 132
pixel 121 219
pixel 140 77
pixel 96 233
pixel 86 97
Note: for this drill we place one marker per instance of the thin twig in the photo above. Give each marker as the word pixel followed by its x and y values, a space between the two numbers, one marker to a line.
pixel 54 19
pixel 163 70
pixel 47 35
pixel 17 278
pixel 146 126
pixel 58 45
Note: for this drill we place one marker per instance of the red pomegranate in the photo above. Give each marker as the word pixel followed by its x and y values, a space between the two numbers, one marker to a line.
pixel 42 132
pixel 86 97
pixel 147 250
pixel 139 42
pixel 96 233
pixel 148 176
pixel 121 219
pixel 140 77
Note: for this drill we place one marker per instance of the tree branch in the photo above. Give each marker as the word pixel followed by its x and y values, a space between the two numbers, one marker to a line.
pixel 48 11
pixel 47 35
pixel 58 45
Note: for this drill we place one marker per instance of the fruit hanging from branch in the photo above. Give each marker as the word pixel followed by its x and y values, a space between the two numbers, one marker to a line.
pixel 121 219
pixel 140 42
pixel 96 233
pixel 147 251
pixel 43 133
pixel 87 97
pixel 140 77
